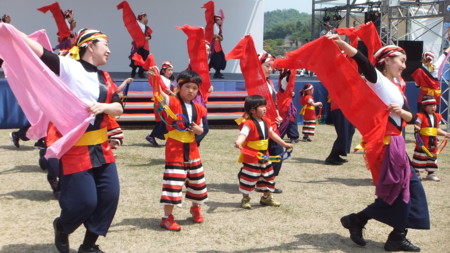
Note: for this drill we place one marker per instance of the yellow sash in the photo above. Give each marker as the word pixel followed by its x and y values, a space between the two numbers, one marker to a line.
pixel 93 137
pixel 302 112
pixel 258 145
pixel 181 136
pixel 429 131
pixel 432 92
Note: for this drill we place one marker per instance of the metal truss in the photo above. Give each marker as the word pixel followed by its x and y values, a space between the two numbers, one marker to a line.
pixel 396 19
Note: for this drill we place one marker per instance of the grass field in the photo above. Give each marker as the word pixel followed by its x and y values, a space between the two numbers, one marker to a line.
pixel 315 197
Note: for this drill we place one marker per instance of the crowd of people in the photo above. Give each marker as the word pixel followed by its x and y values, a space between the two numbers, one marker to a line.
pixel 85 179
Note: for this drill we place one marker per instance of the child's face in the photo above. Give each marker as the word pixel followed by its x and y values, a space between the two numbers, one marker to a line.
pixel 310 91
pixel 429 109
pixel 188 92
pixel 259 111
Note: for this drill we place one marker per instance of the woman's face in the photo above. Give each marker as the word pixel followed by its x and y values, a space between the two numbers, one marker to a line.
pixel 394 66
pixel 267 68
pixel 100 52
pixel 169 72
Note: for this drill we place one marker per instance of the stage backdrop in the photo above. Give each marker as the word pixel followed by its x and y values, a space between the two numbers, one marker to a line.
pixel 168 43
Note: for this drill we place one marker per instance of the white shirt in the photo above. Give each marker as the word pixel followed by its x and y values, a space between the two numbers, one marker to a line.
pixel 388 92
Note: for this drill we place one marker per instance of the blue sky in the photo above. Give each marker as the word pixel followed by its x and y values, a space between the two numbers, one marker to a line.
pixel 300 5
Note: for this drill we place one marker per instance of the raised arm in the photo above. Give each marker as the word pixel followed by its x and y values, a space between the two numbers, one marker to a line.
pixel 364 64
pixel 37 48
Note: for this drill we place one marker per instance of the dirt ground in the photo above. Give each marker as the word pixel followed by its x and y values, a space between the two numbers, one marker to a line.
pixel 315 197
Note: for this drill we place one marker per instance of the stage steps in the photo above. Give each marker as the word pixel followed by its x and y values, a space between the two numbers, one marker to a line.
pixel 222 105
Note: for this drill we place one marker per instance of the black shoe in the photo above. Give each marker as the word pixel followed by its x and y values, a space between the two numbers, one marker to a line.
pixel 152 141
pixel 61 239
pixel 15 139
pixel 342 159
pixel 352 223
pixel 218 76
pixel 40 144
pixel 93 249
pixel 333 161
pixel 277 190
pixel 397 242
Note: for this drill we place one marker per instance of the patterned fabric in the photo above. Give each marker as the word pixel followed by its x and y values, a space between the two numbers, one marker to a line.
pixel 421 161
pixel 387 51
pixel 256 175
pixel 309 118
pixel 178 174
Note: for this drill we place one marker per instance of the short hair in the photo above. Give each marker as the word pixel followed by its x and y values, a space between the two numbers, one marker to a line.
pixel 252 102
pixel 188 76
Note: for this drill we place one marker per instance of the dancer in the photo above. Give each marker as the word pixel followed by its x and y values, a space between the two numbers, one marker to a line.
pixel 254 135
pixel 183 165
pixel 89 182
pixel 401 203
pixel 144 50
pixel 427 127
pixel 159 129
pixel 308 111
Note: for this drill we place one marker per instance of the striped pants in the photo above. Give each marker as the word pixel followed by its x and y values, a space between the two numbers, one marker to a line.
pixel 309 126
pixel 421 162
pixel 256 175
pixel 178 174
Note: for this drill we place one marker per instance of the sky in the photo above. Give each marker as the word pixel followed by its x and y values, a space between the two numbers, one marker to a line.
pixel 300 5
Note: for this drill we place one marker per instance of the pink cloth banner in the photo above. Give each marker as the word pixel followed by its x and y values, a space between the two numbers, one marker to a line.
pixel 41 94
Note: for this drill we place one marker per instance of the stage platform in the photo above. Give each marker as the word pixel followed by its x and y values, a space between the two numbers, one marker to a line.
pixel 225 103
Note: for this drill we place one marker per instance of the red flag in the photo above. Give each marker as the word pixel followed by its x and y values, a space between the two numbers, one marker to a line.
pixel 255 81
pixel 368 34
pixel 198 58
pixel 346 87
pixel 428 84
pixel 63 29
pixel 130 22
pixel 209 17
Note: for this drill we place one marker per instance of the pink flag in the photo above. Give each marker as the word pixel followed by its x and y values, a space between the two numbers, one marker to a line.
pixel 41 94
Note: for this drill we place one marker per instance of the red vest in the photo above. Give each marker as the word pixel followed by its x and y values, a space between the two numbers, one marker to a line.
pixel 177 151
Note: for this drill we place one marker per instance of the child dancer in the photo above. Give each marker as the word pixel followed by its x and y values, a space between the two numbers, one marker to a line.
pixel 160 128
pixel 308 111
pixel 183 164
pixel 427 123
pixel 253 138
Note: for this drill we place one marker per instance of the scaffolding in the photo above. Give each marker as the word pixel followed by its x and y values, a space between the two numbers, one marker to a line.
pixel 394 19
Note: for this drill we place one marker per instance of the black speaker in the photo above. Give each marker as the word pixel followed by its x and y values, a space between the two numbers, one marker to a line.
pixel 413 51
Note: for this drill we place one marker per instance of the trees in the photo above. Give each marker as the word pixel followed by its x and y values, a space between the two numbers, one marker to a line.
pixel 285 30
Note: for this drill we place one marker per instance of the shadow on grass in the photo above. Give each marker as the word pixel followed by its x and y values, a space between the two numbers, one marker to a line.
pixel 325 242
pixel 32 195
pixel 22 148
pixel 152 162
pixel 227 188
pixel 28 248
pixel 23 169
pixel 145 144
pixel 346 181
pixel 307 160
pixel 146 223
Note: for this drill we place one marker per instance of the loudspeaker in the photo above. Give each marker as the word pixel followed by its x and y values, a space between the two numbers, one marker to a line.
pixel 413 51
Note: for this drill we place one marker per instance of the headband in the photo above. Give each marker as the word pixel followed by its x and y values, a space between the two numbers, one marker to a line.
pixel 387 51
pixel 83 39
pixel 429 56
pixel 166 64
pixel 430 101
pixel 265 57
